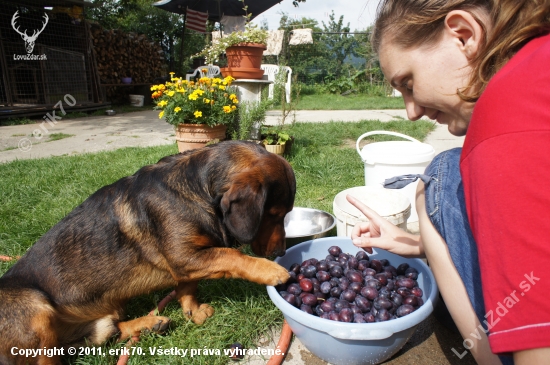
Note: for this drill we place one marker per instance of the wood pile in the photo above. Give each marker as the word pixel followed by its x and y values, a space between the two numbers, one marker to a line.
pixel 120 55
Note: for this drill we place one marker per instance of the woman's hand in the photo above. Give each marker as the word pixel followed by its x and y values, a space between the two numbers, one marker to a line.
pixel 378 232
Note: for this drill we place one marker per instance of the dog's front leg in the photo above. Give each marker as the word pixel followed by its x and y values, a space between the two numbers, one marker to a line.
pixel 230 263
pixel 221 263
pixel 192 309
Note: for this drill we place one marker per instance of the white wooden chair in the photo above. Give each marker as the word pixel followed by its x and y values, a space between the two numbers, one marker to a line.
pixel 211 71
pixel 272 71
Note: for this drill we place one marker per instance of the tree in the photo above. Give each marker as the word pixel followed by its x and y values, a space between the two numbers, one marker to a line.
pixel 308 61
pixel 364 49
pixel 339 41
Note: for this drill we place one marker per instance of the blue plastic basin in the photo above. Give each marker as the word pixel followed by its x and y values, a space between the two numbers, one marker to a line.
pixel 353 343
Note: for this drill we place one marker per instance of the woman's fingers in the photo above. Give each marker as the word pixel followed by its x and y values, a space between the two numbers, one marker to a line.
pixel 368 212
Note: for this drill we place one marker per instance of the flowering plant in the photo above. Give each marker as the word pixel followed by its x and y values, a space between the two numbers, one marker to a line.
pixel 209 101
pixel 251 34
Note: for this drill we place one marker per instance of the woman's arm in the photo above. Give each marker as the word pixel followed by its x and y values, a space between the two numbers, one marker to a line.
pixel 450 284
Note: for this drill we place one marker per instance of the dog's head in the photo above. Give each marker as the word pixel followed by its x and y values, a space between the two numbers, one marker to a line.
pixel 260 195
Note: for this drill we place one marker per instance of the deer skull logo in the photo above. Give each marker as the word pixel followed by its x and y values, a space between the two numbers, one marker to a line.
pixel 29 40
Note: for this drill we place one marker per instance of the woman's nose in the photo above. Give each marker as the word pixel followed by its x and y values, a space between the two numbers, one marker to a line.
pixel 414 111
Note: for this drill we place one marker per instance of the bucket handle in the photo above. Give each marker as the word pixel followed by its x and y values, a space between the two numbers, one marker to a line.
pixel 382 132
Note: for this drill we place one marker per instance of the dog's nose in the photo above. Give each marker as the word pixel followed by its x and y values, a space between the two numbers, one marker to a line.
pixel 280 252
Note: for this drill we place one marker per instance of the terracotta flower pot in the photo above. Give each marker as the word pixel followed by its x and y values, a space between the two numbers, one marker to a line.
pixel 191 136
pixel 244 61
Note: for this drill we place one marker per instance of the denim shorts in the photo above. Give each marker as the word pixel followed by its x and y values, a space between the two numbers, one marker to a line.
pixel 446 207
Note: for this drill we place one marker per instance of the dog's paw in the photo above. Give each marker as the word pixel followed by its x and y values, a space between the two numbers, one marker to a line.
pixel 274 274
pixel 156 324
pixel 199 315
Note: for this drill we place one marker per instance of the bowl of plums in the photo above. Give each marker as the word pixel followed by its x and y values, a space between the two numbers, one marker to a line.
pixel 350 307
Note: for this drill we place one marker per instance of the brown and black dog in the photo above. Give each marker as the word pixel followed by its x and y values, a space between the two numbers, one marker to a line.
pixel 170 224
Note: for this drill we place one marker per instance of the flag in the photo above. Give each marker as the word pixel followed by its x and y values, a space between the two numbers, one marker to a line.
pixel 196 20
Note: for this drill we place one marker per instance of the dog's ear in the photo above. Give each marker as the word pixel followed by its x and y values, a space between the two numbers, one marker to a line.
pixel 243 207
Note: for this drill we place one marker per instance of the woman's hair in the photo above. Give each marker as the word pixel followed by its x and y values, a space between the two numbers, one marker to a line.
pixel 513 23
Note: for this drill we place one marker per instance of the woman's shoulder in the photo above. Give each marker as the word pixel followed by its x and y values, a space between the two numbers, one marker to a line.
pixel 517 97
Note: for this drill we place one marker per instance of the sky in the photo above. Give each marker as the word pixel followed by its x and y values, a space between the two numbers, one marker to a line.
pixel 359 13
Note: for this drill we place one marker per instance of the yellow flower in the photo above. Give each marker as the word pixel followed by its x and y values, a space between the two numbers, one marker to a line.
pixel 198 114
pixel 172 73
pixel 227 109
pixel 235 101
pixel 162 103
pixel 199 91
pixel 177 109
pixel 216 80
pixel 193 96
pixel 161 114
pixel 232 96
pixel 233 107
pixel 221 87
pixel 170 93
pixel 206 101
pixel 180 90
pixel 154 87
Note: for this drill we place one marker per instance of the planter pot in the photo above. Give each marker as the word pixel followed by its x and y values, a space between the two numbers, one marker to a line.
pixel 244 61
pixel 288 145
pixel 278 149
pixel 191 136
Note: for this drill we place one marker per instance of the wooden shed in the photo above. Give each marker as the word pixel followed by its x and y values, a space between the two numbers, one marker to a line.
pixel 46 58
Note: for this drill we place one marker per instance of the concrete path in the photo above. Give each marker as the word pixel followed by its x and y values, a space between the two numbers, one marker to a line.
pixel 431 344
pixel 144 128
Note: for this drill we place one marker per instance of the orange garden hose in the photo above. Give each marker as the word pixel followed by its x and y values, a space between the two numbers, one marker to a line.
pixel 277 359
pixel 282 346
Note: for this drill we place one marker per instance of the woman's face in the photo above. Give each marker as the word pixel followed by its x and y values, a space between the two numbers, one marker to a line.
pixel 428 78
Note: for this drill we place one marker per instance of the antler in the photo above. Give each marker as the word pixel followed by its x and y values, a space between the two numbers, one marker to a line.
pixel 13 19
pixel 35 34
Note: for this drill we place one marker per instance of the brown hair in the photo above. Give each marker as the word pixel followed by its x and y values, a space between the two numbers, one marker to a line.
pixel 513 23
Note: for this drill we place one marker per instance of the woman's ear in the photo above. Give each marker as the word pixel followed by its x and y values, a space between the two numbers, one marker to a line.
pixel 466 31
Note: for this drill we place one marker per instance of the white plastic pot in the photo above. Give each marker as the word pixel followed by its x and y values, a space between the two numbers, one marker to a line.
pixel 137 100
pixel 390 204
pixel 384 160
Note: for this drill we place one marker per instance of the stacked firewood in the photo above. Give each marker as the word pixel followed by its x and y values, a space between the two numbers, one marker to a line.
pixel 121 55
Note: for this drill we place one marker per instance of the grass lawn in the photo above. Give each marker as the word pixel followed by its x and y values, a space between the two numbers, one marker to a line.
pixel 350 102
pixel 36 194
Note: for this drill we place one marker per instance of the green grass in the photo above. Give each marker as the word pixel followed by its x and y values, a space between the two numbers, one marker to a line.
pixel 350 102
pixel 36 194
pixel 58 136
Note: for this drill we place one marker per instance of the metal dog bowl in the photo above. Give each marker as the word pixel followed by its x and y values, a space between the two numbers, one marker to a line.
pixel 304 224
pixel 110 112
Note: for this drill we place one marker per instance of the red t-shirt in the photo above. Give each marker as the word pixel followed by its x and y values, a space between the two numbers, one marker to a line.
pixel 505 166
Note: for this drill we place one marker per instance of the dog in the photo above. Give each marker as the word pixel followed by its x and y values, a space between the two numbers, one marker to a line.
pixel 170 224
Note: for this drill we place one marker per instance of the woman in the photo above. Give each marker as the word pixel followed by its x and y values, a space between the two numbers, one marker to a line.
pixel 481 67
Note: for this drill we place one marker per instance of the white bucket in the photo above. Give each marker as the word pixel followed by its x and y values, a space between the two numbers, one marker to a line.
pixel 390 204
pixel 384 160
pixel 137 100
